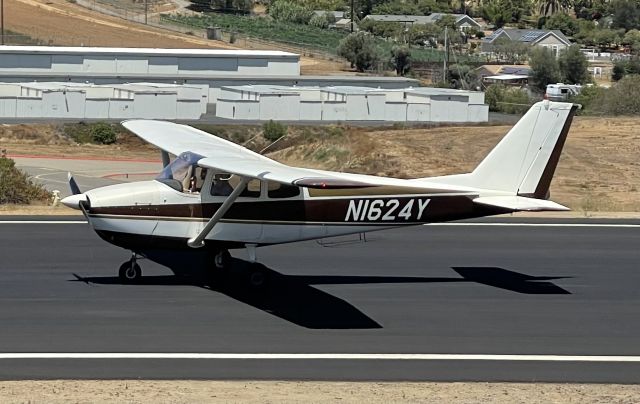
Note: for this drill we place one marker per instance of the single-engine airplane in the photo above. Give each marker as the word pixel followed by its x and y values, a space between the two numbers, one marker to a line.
pixel 216 195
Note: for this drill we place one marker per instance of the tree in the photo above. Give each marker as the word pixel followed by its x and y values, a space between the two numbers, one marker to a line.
pixel 619 71
pixel 397 7
pixel 290 11
pixel 626 14
pixel 360 50
pixel 243 6
pixel 501 12
pixel 550 7
pixel 509 51
pixel 401 60
pixel 622 98
pixel 632 39
pixel 623 68
pixel 463 76
pixel 573 66
pixel 562 22
pixel 495 12
pixel 385 29
pixel 424 34
pixel 544 68
pixel 320 21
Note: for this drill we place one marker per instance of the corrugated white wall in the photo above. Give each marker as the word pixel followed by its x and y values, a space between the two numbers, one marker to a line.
pixel 283 107
pixel 96 108
pixel 63 104
pixel 334 111
pixel 310 110
pixel 420 112
pixel 8 106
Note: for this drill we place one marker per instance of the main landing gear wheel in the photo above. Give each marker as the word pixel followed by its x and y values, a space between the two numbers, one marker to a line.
pixel 257 277
pixel 130 272
pixel 222 259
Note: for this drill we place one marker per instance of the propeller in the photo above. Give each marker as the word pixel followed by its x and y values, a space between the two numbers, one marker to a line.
pixel 75 200
pixel 73 185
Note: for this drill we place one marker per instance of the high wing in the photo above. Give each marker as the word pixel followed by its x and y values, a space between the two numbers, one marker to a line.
pixel 229 157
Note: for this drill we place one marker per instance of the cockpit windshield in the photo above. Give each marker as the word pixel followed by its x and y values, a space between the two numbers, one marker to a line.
pixel 179 172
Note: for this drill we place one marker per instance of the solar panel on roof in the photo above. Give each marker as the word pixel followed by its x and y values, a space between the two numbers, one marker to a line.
pixel 514 70
pixel 530 36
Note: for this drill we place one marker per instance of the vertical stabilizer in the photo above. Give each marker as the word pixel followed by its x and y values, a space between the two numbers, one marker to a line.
pixel 525 160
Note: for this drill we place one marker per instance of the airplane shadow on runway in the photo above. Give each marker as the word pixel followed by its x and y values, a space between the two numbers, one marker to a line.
pixel 294 299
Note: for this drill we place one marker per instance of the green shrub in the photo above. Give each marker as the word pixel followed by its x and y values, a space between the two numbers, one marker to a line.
pixel 16 187
pixel 103 133
pixel 360 50
pixel 273 131
pixel 621 99
pixel 290 11
pixel 588 98
pixel 509 100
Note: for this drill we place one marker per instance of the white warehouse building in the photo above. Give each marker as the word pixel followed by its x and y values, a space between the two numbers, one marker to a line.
pixel 348 103
pixel 124 61
pixel 90 101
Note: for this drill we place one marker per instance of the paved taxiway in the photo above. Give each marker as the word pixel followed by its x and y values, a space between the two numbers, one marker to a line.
pixel 89 173
pixel 551 290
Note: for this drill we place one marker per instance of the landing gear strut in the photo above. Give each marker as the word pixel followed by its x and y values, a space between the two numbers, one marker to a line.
pixel 130 271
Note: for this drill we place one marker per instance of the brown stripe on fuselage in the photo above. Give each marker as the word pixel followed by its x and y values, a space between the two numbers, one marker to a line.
pixel 439 208
pixel 385 190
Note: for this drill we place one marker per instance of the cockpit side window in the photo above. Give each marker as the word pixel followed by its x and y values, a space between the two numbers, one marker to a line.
pixel 223 184
pixel 278 190
pixel 183 174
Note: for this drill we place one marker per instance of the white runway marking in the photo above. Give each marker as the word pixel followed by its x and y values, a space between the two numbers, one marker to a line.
pixel 602 225
pixel 328 356
pixel 42 222
pixel 535 225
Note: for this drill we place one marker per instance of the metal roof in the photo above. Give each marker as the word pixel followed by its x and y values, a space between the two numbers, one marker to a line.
pixel 527 35
pixel 145 51
pixel 418 19
pixel 506 77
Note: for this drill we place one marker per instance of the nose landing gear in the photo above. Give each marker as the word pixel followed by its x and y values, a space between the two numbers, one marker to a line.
pixel 130 271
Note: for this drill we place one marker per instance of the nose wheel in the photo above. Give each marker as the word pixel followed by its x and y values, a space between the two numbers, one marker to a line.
pixel 130 271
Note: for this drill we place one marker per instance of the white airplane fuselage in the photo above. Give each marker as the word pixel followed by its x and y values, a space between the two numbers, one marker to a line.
pixel 150 214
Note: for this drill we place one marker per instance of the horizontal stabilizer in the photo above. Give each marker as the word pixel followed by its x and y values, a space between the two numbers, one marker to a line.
pixel 519 203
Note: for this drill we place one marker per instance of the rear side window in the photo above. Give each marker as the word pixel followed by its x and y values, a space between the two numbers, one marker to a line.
pixel 252 190
pixel 223 184
pixel 278 190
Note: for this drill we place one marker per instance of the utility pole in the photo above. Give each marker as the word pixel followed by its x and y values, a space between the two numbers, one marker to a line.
pixel 351 16
pixel 446 55
pixel 146 8
pixel 2 21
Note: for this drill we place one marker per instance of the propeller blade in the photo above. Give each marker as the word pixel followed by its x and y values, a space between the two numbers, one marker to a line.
pixel 75 189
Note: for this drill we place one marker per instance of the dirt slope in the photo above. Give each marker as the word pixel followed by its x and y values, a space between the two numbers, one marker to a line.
pixel 598 170
pixel 60 22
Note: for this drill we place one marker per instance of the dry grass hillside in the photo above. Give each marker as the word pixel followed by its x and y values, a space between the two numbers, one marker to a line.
pixel 598 171
pixel 63 22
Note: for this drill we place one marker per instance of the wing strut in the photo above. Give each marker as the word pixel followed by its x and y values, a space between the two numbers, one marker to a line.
pixel 198 241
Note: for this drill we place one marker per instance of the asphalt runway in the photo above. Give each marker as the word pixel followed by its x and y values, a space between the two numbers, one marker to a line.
pixel 52 172
pixel 568 296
